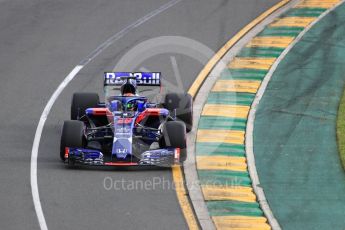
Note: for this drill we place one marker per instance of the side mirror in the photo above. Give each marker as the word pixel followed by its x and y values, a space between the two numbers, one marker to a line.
pixel 115 106
pixel 141 106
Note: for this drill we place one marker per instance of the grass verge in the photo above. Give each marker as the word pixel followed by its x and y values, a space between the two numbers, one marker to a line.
pixel 341 130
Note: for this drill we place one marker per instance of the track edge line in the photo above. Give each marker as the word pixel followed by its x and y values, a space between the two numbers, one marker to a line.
pixel 34 152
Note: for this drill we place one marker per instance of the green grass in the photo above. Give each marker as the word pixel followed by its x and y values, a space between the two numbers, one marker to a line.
pixel 341 130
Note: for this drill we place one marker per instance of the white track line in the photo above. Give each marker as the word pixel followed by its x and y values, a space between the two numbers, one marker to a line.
pixel 34 152
pixel 35 147
pixel 250 124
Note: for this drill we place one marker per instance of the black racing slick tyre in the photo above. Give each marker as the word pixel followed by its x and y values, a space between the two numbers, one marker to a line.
pixel 81 102
pixel 72 136
pixel 183 103
pixel 174 136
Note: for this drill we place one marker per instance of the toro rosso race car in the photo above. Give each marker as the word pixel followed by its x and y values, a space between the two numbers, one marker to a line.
pixel 127 129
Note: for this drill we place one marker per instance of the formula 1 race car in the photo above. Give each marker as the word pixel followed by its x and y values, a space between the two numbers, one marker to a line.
pixel 127 129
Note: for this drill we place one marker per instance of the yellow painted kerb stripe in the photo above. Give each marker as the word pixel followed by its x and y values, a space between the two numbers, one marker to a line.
pixel 241 223
pixel 252 63
pixel 277 42
pixel 231 221
pixel 221 136
pixel 317 3
pixel 258 219
pixel 221 163
pixel 293 21
pixel 219 159
pixel 235 193
pixel 239 86
pixel 234 111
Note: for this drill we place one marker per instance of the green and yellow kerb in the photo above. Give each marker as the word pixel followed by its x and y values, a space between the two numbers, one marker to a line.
pixel 220 147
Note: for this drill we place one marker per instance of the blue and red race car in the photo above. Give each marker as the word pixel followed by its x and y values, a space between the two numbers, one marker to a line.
pixel 127 129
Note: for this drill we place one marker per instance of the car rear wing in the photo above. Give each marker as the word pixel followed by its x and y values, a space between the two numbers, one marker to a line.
pixel 141 78
pixel 148 83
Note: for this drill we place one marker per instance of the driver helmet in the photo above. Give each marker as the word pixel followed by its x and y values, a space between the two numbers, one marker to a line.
pixel 128 89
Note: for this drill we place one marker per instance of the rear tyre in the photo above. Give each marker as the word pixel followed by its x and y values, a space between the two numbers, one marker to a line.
pixel 72 136
pixel 81 102
pixel 174 136
pixel 183 103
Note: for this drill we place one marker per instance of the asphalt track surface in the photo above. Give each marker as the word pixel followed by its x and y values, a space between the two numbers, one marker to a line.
pixel 40 43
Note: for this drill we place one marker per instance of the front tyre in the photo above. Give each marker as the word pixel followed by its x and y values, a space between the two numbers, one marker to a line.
pixel 174 136
pixel 72 136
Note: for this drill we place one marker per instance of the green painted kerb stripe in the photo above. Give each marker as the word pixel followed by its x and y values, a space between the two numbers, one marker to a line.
pixel 215 122
pixel 230 98
pixel 269 52
pixel 305 12
pixel 281 31
pixel 223 149
pixel 243 74
pixel 232 208
pixel 228 178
